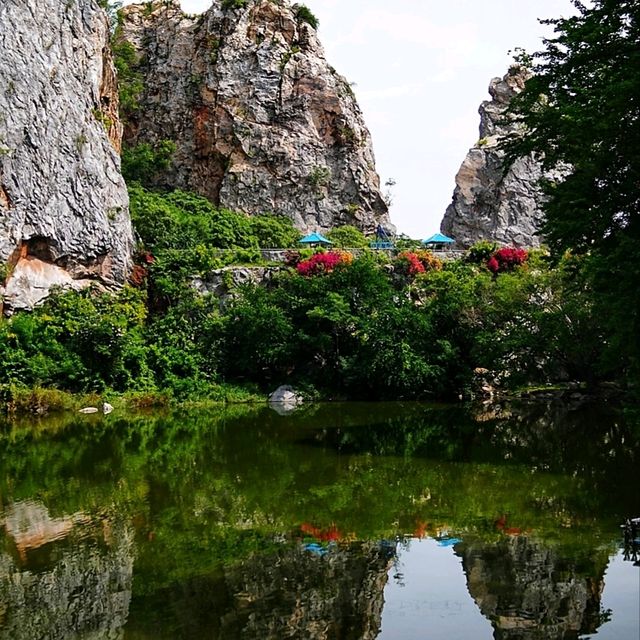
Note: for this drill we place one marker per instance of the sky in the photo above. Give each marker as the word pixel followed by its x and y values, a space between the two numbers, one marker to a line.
pixel 420 69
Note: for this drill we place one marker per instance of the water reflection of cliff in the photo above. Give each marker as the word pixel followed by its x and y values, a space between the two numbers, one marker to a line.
pixel 289 593
pixel 66 577
pixel 529 591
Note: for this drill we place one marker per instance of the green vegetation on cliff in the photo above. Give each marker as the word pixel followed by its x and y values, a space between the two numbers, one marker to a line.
pixel 362 328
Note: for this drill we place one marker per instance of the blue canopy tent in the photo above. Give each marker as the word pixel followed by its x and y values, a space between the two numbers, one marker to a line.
pixel 316 240
pixel 438 240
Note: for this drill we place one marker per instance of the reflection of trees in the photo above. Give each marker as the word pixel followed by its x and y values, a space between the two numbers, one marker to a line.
pixel 286 593
pixel 530 591
pixel 65 577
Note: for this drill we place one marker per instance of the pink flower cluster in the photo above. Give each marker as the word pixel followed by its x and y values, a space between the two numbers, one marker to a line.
pixel 320 263
pixel 506 259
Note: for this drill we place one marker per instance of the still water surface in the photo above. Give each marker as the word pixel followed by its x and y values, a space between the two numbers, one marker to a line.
pixel 337 521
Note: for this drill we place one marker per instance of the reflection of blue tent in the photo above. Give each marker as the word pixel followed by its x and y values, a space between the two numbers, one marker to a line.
pixel 315 238
pixel 438 238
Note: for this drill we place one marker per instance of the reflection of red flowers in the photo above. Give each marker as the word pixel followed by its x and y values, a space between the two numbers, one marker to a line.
pixel 330 534
pixel 501 525
pixel 421 529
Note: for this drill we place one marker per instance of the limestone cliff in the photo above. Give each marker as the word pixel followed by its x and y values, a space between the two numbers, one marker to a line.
pixel 489 204
pixel 63 203
pixel 65 577
pixel 261 121
pixel 530 591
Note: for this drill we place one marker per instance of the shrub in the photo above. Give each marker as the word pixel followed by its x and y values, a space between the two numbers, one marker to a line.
pixel 142 162
pixel 348 236
pixel 304 15
pixel 506 259
pixel 181 220
pixel 273 231
pixel 428 260
pixel 481 251
pixel 321 263
pixel 130 82
pixel 408 263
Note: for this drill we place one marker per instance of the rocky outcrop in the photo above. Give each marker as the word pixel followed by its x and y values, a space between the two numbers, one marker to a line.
pixel 530 591
pixel 63 203
pixel 261 121
pixel 489 203
pixel 224 283
pixel 329 593
pixel 70 578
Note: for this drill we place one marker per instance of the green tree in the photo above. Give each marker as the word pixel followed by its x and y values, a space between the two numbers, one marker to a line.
pixel 348 236
pixel 580 112
pixel 274 232
pixel 142 162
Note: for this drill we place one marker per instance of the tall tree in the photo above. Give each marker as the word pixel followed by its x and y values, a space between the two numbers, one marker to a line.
pixel 581 112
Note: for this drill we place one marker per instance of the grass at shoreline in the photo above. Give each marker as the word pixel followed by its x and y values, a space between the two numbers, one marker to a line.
pixel 38 401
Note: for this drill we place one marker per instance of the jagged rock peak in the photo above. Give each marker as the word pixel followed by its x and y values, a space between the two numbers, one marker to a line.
pixel 489 204
pixel 63 203
pixel 261 121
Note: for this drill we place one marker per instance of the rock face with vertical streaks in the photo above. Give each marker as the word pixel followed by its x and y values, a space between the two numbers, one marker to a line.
pixel 63 203
pixel 489 203
pixel 261 121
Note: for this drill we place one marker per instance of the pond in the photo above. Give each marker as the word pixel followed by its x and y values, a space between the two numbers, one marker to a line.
pixel 338 521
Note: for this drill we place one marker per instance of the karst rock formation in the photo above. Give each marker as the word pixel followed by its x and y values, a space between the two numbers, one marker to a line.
pixel 261 122
pixel 490 203
pixel 64 216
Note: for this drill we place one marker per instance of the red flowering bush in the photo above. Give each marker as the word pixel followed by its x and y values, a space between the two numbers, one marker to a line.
pixel 409 263
pixel 322 263
pixel 428 260
pixel 506 259
pixel 412 263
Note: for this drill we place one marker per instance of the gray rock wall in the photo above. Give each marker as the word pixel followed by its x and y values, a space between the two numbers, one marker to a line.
pixel 489 204
pixel 63 203
pixel 530 591
pixel 261 121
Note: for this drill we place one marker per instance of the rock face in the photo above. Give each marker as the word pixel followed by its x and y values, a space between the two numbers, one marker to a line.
pixel 63 203
pixel 262 123
pixel 65 580
pixel 489 204
pixel 529 591
pixel 288 593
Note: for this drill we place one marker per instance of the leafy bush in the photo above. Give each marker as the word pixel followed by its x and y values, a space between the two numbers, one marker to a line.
pixel 408 263
pixel 304 14
pixel 143 162
pixel 130 82
pixel 349 237
pixel 506 259
pixel 180 220
pixel 274 232
pixel 321 263
pixel 233 4
pixel 481 251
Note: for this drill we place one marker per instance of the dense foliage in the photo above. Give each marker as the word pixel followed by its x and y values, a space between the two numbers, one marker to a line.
pixel 370 326
pixel 356 328
pixel 581 113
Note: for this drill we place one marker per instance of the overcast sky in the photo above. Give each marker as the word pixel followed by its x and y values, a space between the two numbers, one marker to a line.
pixel 421 68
